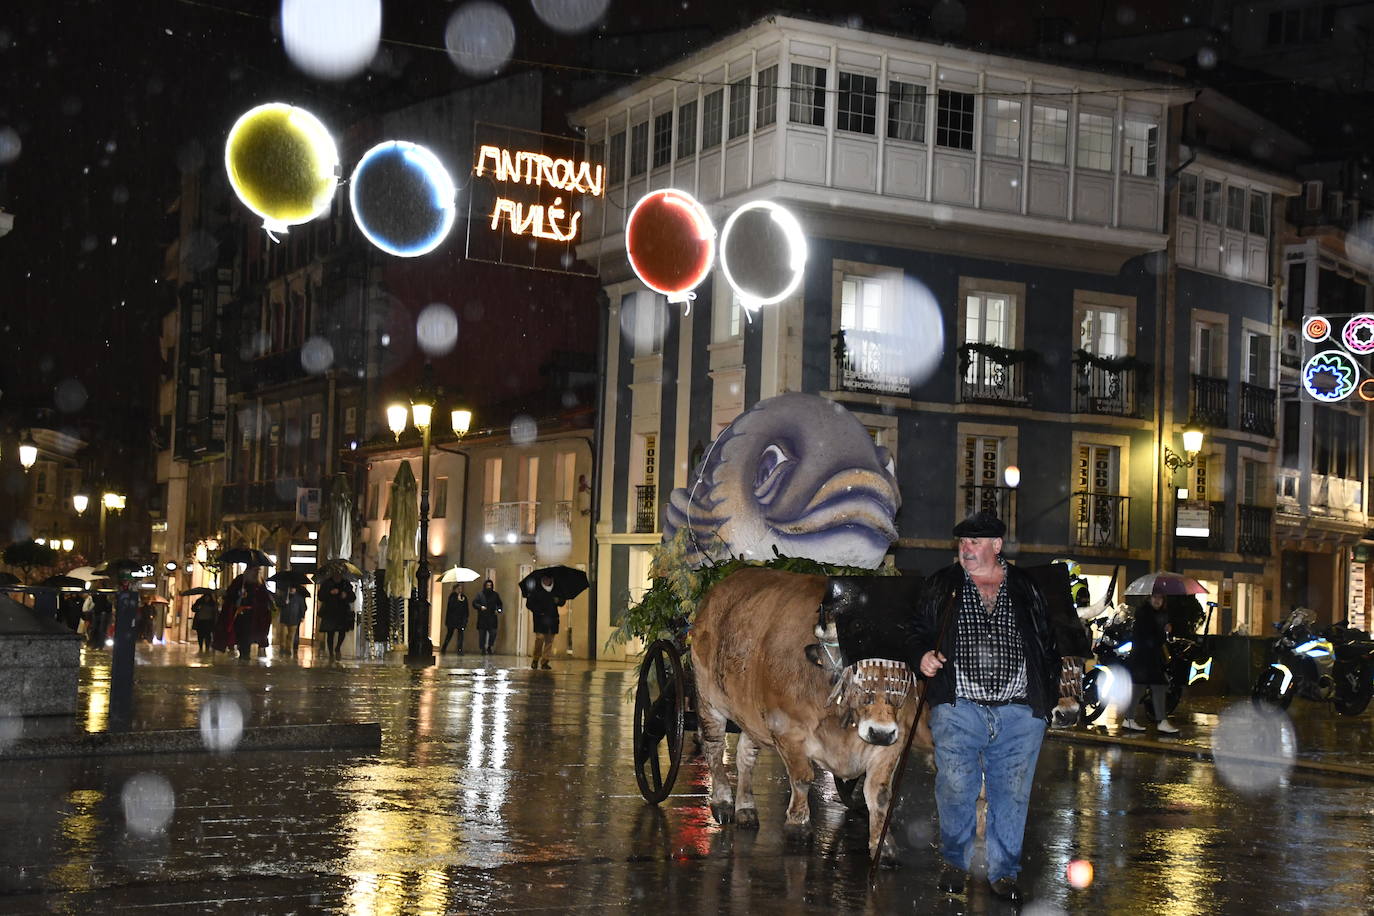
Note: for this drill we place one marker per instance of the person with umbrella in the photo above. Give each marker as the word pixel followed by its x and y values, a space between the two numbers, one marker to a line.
pixel 203 618
pixel 292 614
pixel 543 604
pixel 246 617
pixel 1148 636
pixel 455 618
pixel 488 605
pixel 336 613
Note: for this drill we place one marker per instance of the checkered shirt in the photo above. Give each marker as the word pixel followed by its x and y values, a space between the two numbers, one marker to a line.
pixel 989 658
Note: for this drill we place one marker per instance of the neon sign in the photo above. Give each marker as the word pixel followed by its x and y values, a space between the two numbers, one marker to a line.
pixel 1340 371
pixel 523 167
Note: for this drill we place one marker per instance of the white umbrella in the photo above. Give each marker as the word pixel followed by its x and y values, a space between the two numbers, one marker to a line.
pixel 83 572
pixel 460 574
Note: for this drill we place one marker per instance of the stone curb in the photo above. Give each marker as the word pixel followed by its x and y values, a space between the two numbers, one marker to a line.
pixel 1205 753
pixel 323 737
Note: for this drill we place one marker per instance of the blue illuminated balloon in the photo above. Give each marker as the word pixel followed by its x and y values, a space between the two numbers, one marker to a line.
pixel 402 198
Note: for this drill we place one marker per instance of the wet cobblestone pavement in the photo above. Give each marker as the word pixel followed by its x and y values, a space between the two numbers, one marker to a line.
pixel 501 789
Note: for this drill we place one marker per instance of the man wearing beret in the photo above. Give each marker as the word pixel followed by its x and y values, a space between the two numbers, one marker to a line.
pixel 982 640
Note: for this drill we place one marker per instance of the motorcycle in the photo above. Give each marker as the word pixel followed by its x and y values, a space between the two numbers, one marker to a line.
pixel 1335 664
pixel 1187 663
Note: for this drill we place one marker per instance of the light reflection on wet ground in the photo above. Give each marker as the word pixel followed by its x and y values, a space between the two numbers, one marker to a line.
pixel 506 789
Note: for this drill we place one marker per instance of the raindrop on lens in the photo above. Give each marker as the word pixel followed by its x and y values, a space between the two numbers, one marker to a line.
pixel 221 724
pixel 11 726
pixel 1253 747
pixel 317 355
pixel 479 38
pixel 570 16
pixel 523 430
pixel 10 145
pixel 331 39
pixel 552 541
pixel 69 396
pixel 436 329
pixel 149 804
pixel 1206 58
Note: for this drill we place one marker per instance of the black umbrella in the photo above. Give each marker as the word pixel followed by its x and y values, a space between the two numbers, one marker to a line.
pixel 64 582
pixel 568 583
pixel 289 577
pixel 249 556
pixel 113 568
pixel 8 578
pixel 198 590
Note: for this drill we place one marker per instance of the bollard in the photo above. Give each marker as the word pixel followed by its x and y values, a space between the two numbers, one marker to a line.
pixel 122 661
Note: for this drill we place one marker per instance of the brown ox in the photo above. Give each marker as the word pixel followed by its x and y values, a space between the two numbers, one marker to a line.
pixel 749 642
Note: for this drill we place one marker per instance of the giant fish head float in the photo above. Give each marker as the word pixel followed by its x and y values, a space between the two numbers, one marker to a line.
pixel 795 473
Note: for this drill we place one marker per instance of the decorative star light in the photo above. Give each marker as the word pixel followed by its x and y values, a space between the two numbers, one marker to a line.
pixel 1330 376
pixel 1358 335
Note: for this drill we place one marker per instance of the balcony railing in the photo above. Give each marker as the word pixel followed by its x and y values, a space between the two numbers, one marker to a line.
pixel 986 497
pixel 1216 522
pixel 992 375
pixel 510 522
pixel 1101 520
pixel 1258 408
pixel 1114 387
pixel 872 362
pixel 1211 402
pixel 1253 527
pixel 646 509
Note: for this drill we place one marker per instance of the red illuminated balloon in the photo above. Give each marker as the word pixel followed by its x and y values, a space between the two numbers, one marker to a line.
pixel 671 243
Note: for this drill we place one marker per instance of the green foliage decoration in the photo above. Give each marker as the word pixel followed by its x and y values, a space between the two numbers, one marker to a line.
pixel 666 609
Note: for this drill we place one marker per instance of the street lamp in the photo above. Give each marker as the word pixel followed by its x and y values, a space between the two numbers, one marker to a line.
pixel 28 454
pixel 79 502
pixel 109 502
pixel 422 415
pixel 1192 444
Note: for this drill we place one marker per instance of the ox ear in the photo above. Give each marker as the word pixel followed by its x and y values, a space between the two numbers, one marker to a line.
pixel 813 655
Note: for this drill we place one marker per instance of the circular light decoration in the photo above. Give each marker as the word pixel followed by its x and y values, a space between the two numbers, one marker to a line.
pixel 1358 334
pixel 671 243
pixel 402 198
pixel 1315 329
pixel 1331 375
pixel 282 164
pixel 762 253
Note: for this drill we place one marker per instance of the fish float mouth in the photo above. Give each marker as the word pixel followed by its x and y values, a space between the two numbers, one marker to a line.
pixel 853 498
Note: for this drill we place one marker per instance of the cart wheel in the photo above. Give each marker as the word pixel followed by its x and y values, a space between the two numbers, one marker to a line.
pixel 659 705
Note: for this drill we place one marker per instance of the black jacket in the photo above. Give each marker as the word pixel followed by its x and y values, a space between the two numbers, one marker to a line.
pixel 488 605
pixel 456 613
pixel 544 606
pixel 1032 616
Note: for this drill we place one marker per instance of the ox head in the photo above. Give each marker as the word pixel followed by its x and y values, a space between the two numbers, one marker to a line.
pixel 871 694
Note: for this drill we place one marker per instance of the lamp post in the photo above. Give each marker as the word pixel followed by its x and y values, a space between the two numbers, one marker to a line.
pixel 109 502
pixel 1192 444
pixel 422 404
pixel 28 454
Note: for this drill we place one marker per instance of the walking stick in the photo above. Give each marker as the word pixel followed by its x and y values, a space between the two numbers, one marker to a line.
pixel 895 792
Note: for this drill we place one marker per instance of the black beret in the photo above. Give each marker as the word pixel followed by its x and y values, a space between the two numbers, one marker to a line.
pixel 982 525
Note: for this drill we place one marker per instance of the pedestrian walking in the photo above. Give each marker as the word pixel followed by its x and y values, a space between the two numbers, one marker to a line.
pixel 488 605
pixel 1149 634
pixel 336 614
pixel 203 621
pixel 101 612
pixel 983 641
pixel 246 616
pixel 455 618
pixel 292 613
pixel 543 605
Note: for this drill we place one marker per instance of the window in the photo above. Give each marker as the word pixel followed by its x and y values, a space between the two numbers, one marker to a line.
pixel 1002 128
pixel 491 481
pixel 1103 331
pixel 1235 208
pixel 639 149
pixel 1049 135
pixel 766 105
pixel 645 318
pixel 615 159
pixel 711 112
pixel 374 499
pixel 739 108
pixel 439 505
pixel 906 111
pixel 729 320
pixel 1094 141
pixel 528 485
pixel 857 103
pixel 1250 475
pixel 861 304
pixel 687 130
pixel 1209 355
pixel 663 138
pixel 1312 195
pixel 1259 213
pixel 954 120
pixel 988 319
pixel 876 330
pixel 981 474
pixel 807 99
pixel 1257 348
pixel 1211 200
pixel 1187 195
pixel 1139 149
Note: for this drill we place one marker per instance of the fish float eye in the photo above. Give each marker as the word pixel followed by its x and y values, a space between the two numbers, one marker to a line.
pixel 770 472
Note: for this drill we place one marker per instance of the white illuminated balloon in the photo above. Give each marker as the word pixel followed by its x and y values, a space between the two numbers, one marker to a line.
pixel 331 39
pixel 762 253
pixel 403 198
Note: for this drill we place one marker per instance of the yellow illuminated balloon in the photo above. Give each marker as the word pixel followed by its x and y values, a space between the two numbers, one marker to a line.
pixel 282 164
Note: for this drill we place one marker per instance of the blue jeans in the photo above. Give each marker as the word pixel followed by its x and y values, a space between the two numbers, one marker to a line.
pixel 974 744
